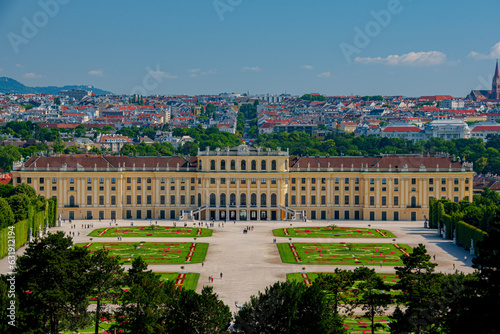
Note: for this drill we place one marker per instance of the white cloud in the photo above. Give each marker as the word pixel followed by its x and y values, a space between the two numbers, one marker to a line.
pixel 308 67
pixel 96 73
pixel 162 75
pixel 494 53
pixel 429 58
pixel 19 65
pixel 32 76
pixel 194 70
pixel 253 69
pixel 325 74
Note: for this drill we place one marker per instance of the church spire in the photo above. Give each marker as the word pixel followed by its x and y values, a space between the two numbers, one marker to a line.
pixel 495 89
pixel 496 72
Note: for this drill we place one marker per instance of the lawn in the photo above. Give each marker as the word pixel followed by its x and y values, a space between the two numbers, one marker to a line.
pixel 154 252
pixel 151 231
pixel 361 325
pixel 329 232
pixel 385 254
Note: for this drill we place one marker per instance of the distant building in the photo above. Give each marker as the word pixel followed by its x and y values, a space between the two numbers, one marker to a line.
pixel 452 104
pixel 493 94
pixel 402 130
pixel 113 143
pixel 447 129
pixel 76 94
pixel 483 129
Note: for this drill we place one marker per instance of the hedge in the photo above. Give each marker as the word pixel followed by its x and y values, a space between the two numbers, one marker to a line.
pixel 467 232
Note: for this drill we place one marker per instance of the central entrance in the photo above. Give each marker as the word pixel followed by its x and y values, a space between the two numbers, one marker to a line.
pixel 243 214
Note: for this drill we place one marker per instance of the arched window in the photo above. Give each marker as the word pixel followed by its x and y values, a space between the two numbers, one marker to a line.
pixel 286 199
pixel 263 165
pixel 254 165
pixel 212 200
pixel 243 165
pixel 222 199
pixel 263 200
pixel 253 199
pixel 232 199
pixel 200 165
pixel 413 202
pixel 223 165
pixel 212 164
pixel 199 199
pixel 273 199
pixel 243 199
pixel 273 165
pixel 233 165
pixel 72 201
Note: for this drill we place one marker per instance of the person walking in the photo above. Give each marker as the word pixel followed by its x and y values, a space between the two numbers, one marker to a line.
pixel 202 263
pixel 220 275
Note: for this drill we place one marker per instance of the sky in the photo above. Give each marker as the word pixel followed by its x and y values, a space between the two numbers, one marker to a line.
pixel 361 47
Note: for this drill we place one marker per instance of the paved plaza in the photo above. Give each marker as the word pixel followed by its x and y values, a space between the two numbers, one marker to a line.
pixel 250 262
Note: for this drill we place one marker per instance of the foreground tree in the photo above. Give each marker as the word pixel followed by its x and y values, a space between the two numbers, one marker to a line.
pixel 420 288
pixel 337 286
pixel 288 307
pixel 52 286
pixel 105 279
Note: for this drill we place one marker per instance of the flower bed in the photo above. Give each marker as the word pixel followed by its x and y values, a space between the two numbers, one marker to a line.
pixel 329 232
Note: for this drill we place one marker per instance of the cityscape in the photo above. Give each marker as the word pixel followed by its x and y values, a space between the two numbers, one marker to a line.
pixel 249 167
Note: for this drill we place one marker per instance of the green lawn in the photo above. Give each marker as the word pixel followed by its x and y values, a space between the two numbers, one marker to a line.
pixel 329 232
pixel 153 252
pixel 361 325
pixel 151 232
pixel 357 254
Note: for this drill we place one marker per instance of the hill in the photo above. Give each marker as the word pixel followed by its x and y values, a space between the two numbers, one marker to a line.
pixel 8 85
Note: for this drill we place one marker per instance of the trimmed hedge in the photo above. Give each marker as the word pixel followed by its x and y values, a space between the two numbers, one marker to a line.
pixel 466 233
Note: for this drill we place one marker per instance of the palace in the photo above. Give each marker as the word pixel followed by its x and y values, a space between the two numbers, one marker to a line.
pixel 246 183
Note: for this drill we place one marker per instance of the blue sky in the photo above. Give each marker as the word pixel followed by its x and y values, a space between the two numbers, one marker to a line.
pixel 390 47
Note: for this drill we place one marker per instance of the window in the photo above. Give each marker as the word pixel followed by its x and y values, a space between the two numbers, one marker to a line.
pixel 384 181
pixel 129 199
pixel 212 180
pixel 172 199
pixel 263 200
pixel 71 180
pixel 293 180
pixel 183 200
pixel 171 188
pixel 101 180
pixel 89 180
pixel 162 180
pixel 293 188
pixel 323 180
pixel 253 199
pixel 129 180
pixel 413 189
pixel 303 199
pixel 372 200
pixel 54 188
pixel 356 200
pixel 466 181
pixel 263 165
pixel 139 180
pixel 313 188
pixel 396 188
pixel 346 188
pixel 193 181
pixel 293 201
pixel 273 165
pixel 73 188
pixel 337 188
pixel 223 165
pixel 222 198
pixel 431 181
pixel 303 180
pixel 139 199
pixel 396 200
pixel 148 199
pixel 431 188
pixel 303 188
pixel 413 202
pixel 212 164
pixel 89 188
pixel 273 181
pixel 372 181
pixel 455 189
pixel 323 200
pixel 337 200
pixel 443 189
pixel 233 165
pixel 273 200
pixel 113 180
pixel 337 180
pixel 223 180
pixel 254 181
pixel 346 199
pixel 413 181
pixel 356 180
pixel 42 188
pixel 212 200
pixel 243 199
pixel 101 188
pixel 323 188
pixel 313 180
pixel 455 181
pixel 233 180
pixel 162 199
pixel 372 188
pixel 263 181
pixel 193 200
pixel 313 200
pixel 172 180
pixel 243 165
pixel 396 181
pixel 346 180
pixel 243 181
pixel 384 200
pixel 443 181
pixel 89 200
pixel 182 188
pixel 455 199
pixel 384 189
pixel 101 200
pixel 54 180
pixel 254 165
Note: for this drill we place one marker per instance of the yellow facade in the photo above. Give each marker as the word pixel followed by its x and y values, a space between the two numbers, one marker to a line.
pixel 245 183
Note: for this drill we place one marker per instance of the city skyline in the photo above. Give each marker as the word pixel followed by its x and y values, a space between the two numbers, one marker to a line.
pixel 385 47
